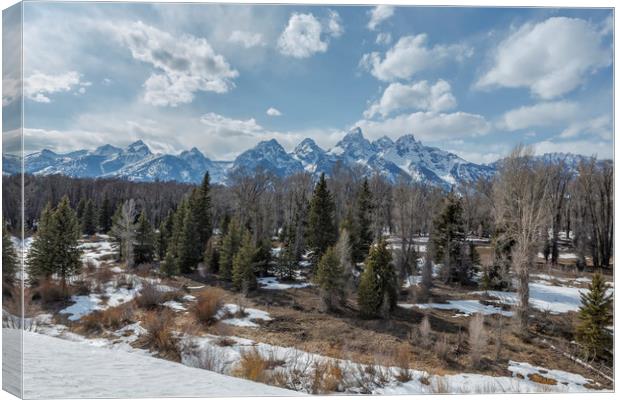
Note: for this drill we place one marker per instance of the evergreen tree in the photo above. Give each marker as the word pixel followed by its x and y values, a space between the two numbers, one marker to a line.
pixel 243 274
pixel 169 266
pixel 595 315
pixel 189 251
pixel 448 241
pixel 263 257
pixel 286 264
pixel 202 211
pixel 81 207
pixel 230 246
pixel 164 235
pixel 144 247
pixel 212 255
pixel 362 223
pixel 10 262
pixel 322 226
pixel 88 222
pixel 329 277
pixel 39 263
pixel 105 215
pixel 378 289
pixel 66 253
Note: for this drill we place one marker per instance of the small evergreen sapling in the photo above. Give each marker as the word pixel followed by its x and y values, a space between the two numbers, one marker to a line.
pixel 329 278
pixel 595 315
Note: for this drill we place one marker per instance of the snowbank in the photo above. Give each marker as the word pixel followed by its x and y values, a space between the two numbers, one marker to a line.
pixel 464 307
pixel 56 368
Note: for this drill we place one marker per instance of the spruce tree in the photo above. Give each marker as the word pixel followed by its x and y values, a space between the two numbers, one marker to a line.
pixel 202 211
pixel 105 215
pixel 362 229
pixel 230 246
pixel 243 274
pixel 81 207
pixel 40 264
pixel 322 226
pixel 378 289
pixel 10 262
pixel 144 247
pixel 263 257
pixel 329 277
pixel 448 240
pixel 164 235
pixel 595 315
pixel 88 222
pixel 169 266
pixel 66 253
pixel 189 251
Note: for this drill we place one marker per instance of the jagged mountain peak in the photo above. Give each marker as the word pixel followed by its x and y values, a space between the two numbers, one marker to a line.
pixel 139 147
pixel 383 142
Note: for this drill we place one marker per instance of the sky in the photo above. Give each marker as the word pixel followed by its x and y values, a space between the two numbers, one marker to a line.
pixel 474 81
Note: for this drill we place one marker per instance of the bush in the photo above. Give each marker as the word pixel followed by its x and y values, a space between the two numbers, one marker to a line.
pixel 50 292
pixel 159 334
pixel 425 332
pixel 208 357
pixel 113 318
pixel 252 366
pixel 208 303
pixel 442 348
pixel 150 297
pixel 401 358
pixel 327 377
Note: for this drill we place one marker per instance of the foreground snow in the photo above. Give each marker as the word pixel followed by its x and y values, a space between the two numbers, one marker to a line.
pixel 56 368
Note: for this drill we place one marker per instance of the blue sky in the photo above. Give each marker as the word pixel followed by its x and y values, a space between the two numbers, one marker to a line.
pixel 475 81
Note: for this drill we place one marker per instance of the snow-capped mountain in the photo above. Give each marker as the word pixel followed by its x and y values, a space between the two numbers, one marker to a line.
pixel 403 159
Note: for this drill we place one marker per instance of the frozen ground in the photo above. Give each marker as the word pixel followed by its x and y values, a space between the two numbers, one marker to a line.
pixel 251 315
pixel 57 368
pixel 273 283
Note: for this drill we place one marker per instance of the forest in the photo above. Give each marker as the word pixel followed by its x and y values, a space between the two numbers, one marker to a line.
pixel 350 247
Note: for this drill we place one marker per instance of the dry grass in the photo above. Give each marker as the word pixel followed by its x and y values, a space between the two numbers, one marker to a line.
pixel 103 275
pixel 207 357
pixel 440 385
pixel 401 358
pixel 442 349
pixel 159 335
pixel 542 380
pixel 424 330
pixel 252 366
pixel 327 377
pixel 51 292
pixel 477 339
pixel 150 297
pixel 208 303
pixel 113 318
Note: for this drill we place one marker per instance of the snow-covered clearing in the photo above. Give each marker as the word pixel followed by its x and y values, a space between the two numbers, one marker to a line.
pixel 247 320
pixel 545 297
pixel 464 307
pixel 98 251
pixel 55 368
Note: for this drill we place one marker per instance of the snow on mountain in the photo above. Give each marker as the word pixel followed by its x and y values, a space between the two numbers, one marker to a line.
pixel 403 159
pixel 268 155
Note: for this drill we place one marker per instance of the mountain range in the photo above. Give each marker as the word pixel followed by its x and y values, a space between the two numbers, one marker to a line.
pixel 405 158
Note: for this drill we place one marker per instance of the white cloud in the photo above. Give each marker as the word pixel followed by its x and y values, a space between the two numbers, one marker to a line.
pixel 428 126
pixel 273 112
pixel 600 126
pixel 418 95
pixel 384 38
pixel 410 55
pixel 185 64
pixel 230 127
pixel 304 35
pixel 379 14
pixel 247 39
pixel 600 149
pixel 537 115
pixel 550 58
pixel 39 86
pixel 334 24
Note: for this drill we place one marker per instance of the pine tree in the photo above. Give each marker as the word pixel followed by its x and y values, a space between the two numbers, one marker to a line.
pixel 448 241
pixel 105 215
pixel 202 211
pixel 39 263
pixel 263 257
pixel 66 253
pixel 595 315
pixel 88 222
pixel 164 235
pixel 322 226
pixel 378 289
pixel 329 278
pixel 230 246
pixel 144 247
pixel 189 251
pixel 362 229
pixel 212 255
pixel 81 207
pixel 169 266
pixel 10 262
pixel 243 273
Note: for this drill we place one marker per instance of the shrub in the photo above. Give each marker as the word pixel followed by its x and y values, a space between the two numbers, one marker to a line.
pixel 208 303
pixel 401 358
pixel 50 292
pixel 159 334
pixel 150 297
pixel 477 339
pixel 425 332
pixel 208 357
pixel 442 348
pixel 327 377
pixel 252 366
pixel 103 275
pixel 113 318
